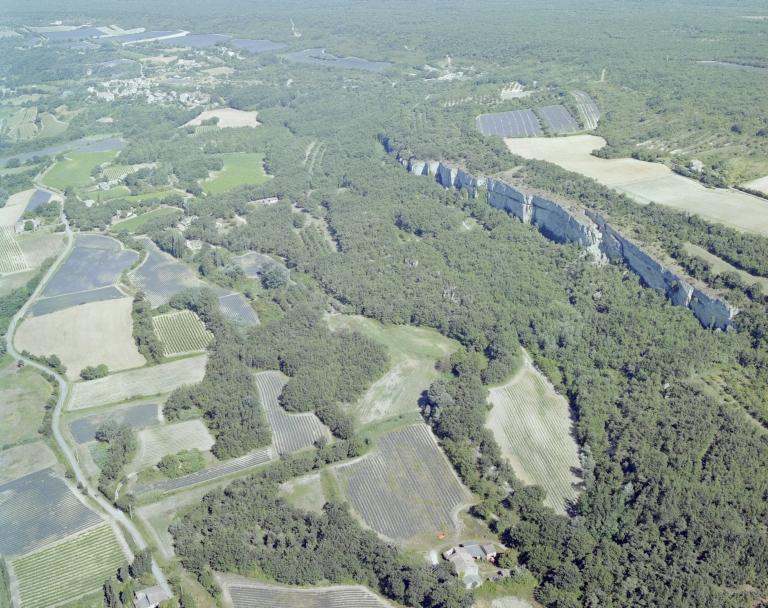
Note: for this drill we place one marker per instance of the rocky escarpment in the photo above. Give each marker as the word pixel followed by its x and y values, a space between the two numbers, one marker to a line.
pixel 565 223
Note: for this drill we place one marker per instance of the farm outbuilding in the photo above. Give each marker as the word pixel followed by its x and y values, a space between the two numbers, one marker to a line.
pixel 150 597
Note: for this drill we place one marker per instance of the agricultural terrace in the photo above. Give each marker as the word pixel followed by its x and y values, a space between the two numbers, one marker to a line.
pixel 254 263
pixel 228 117
pixel 77 336
pixel 304 492
pixel 238 169
pixel 136 383
pixel 117 172
pixel 159 441
pixel 83 430
pixel 574 154
pixel 11 257
pixel 14 208
pixel 24 460
pixel 39 509
pixel 590 114
pixel 519 123
pixel 76 169
pixel 413 352
pixel 533 427
pixel 23 394
pixel 22 124
pixel 161 276
pixel 236 465
pixel 69 569
pixel 405 487
pixel 290 432
pixel 729 207
pixel 96 261
pixel 51 126
pixel 181 332
pixel 250 593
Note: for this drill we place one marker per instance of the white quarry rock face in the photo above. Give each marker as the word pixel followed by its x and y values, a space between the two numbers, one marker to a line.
pixel 561 224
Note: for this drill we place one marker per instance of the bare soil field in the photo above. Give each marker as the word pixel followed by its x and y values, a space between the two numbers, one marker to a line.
pixel 573 154
pixel 23 394
pixel 413 352
pixel 25 460
pixel 759 184
pixel 77 336
pixel 156 442
pixel 36 248
pixel 228 117
pixel 140 382
pixel 241 592
pixel 532 425
pixel 14 207
pixel 729 207
pixel 304 492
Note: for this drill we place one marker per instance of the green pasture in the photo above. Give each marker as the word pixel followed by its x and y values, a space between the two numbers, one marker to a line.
pixel 238 169
pixel 76 172
pixel 134 223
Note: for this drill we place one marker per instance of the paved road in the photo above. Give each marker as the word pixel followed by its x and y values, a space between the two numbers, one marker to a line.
pixel 116 513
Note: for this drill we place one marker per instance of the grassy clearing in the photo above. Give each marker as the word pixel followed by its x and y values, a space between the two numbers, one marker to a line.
pixel 22 397
pixel 69 569
pixel 720 266
pixel 238 169
pixel 135 223
pixel 532 424
pixel 76 172
pixel 181 332
pixel 304 492
pixel 413 352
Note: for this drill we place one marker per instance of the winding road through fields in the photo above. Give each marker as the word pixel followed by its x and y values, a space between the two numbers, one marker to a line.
pixel 64 391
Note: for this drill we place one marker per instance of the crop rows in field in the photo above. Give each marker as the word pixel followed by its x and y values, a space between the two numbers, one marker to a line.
pixel 405 486
pixel 181 332
pixel 202 129
pixel 254 263
pixel 588 109
pixel 520 123
pixel 22 117
pixel 161 275
pixel 290 432
pixel 532 424
pixel 69 569
pixel 235 307
pixel 138 416
pixel 264 596
pixel 220 470
pixel 39 509
pixel 559 119
pixel 116 172
pixel 11 257
pixel 96 261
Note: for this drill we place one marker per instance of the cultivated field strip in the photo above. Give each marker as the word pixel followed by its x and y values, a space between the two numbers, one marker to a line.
pixel 159 441
pixel 290 432
pixel 519 123
pixel 533 427
pixel 139 382
pixel 220 470
pixel 96 261
pixel 11 256
pixel 263 596
pixel 235 307
pixel 117 172
pixel 69 569
pixel 202 129
pixel 47 305
pixel 39 509
pixel 161 275
pixel 139 416
pixel 38 198
pixel 253 263
pixel 559 119
pixel 181 332
pixel 590 114
pixel 405 486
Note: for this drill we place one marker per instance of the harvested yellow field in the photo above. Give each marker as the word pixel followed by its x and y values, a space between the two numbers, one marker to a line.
pixel 574 154
pixel 14 207
pixel 77 336
pixel 729 207
pixel 761 185
pixel 158 441
pixel 533 427
pixel 228 117
pixel 137 383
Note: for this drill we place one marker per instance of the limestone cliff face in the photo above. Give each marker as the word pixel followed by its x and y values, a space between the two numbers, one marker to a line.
pixel 563 224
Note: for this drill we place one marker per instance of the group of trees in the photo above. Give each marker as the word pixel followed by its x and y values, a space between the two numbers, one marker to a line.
pixel 183 463
pixel 121 447
pixel 144 331
pixel 11 302
pixel 90 372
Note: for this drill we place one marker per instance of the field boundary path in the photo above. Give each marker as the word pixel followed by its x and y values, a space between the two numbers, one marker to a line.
pixel 73 463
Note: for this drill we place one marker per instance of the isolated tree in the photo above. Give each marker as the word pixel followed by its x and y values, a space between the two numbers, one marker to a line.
pixel 29 226
pixel 107 430
pixel 276 276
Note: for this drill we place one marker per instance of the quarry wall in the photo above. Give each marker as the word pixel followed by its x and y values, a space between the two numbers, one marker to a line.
pixel 566 223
